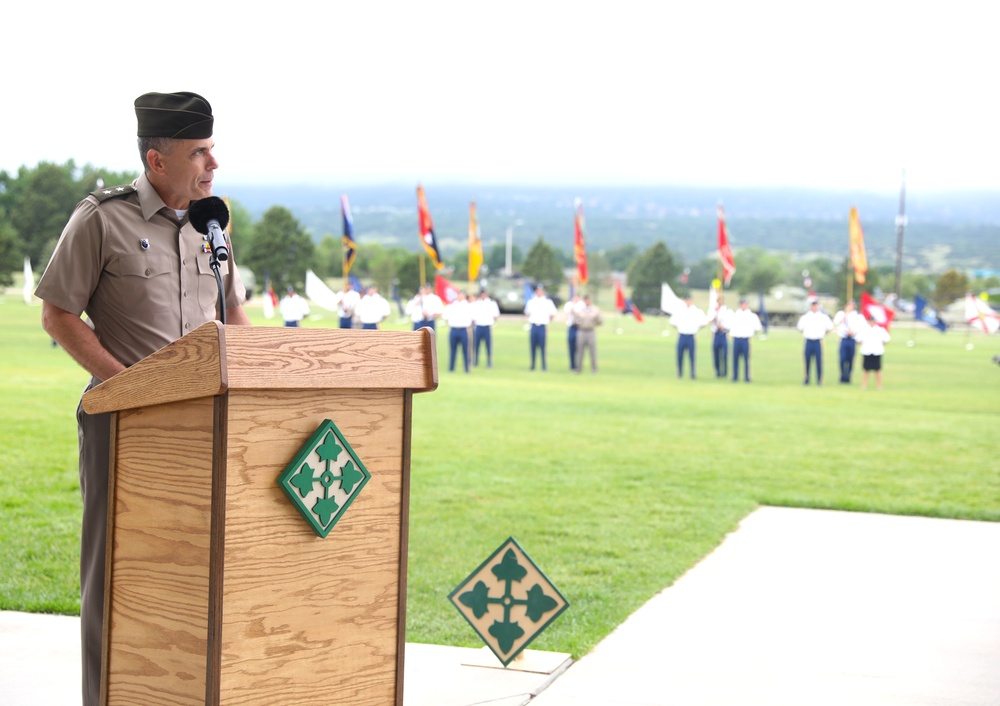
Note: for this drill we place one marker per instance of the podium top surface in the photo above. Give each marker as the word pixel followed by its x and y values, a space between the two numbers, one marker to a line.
pixel 215 358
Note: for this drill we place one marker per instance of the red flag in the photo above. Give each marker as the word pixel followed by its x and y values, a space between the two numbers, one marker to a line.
pixel 579 248
pixel 427 237
pixel 445 289
pixel 725 252
pixel 619 297
pixel 879 313
pixel 634 309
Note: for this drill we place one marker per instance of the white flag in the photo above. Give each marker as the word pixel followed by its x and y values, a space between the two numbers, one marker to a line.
pixel 669 302
pixel 979 314
pixel 29 281
pixel 317 290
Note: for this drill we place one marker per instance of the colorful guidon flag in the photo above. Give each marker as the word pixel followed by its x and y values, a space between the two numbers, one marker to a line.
pixel 475 244
pixel 447 291
pixel 980 316
pixel 928 314
pixel 579 245
pixel 859 261
pixel 879 313
pixel 427 237
pixel 350 247
pixel 725 252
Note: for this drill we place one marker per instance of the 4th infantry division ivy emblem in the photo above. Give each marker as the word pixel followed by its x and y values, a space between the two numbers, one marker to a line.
pixel 508 601
pixel 324 478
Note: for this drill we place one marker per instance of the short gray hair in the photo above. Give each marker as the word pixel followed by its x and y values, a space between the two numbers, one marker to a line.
pixel 160 144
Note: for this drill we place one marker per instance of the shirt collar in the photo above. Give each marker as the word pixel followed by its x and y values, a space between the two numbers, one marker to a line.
pixel 149 199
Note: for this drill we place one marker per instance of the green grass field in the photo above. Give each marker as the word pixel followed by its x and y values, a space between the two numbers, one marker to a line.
pixel 615 484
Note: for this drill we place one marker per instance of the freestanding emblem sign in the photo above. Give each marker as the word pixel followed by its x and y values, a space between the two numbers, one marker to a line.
pixel 508 601
pixel 324 478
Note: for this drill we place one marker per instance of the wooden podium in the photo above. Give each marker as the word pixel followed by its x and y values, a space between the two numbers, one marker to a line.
pixel 218 590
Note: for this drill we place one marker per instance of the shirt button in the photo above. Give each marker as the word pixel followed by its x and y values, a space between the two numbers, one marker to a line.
pixel 148 272
pixel 187 326
pixel 185 295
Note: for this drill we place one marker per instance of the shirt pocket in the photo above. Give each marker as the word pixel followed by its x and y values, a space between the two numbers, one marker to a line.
pixel 148 282
pixel 208 288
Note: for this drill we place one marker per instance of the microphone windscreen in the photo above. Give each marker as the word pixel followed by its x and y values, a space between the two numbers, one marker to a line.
pixel 208 209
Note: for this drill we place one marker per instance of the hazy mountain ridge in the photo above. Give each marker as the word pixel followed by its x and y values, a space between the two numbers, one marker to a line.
pixel 960 229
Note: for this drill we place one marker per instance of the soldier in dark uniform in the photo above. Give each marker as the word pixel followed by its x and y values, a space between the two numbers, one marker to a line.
pixel 131 260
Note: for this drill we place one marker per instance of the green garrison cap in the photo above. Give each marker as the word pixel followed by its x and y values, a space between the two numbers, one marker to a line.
pixel 179 116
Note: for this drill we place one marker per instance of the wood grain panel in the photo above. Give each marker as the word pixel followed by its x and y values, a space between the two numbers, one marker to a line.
pixel 310 620
pixel 297 358
pixel 158 596
pixel 189 368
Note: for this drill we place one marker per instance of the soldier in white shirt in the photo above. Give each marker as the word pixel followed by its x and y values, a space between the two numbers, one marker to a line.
pixel 485 313
pixel 572 328
pixel 372 309
pixel 814 325
pixel 424 308
pixel 873 340
pixel 687 320
pixel 540 311
pixel 743 324
pixel 849 324
pixel 293 308
pixel 720 342
pixel 348 302
pixel 458 316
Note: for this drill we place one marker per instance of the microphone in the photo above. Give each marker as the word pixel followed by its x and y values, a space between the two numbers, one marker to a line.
pixel 209 216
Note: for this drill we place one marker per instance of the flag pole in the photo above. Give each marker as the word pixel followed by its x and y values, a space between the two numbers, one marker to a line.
pixel 423 276
pixel 900 225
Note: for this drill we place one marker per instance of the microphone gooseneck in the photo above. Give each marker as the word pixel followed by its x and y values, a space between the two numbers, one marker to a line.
pixel 209 216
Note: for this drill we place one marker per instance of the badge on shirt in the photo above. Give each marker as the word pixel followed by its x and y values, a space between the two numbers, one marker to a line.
pixel 144 243
pixel 206 248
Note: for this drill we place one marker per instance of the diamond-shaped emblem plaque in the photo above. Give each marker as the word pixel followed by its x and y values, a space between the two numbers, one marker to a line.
pixel 324 478
pixel 508 601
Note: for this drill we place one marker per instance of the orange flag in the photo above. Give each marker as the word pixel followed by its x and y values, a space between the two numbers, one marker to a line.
pixel 859 261
pixel 475 244
pixel 579 248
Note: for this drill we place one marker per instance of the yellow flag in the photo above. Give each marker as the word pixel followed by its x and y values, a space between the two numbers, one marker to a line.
pixel 859 261
pixel 475 244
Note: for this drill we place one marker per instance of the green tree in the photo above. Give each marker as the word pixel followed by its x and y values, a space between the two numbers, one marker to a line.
pixel 240 229
pixel 702 272
pixel 914 284
pixel 622 256
pixel 757 270
pixel 41 201
pixel 10 251
pixel 950 286
pixel 598 269
pixel 408 275
pixel 873 279
pixel 329 257
pixel 648 273
pixel 542 264
pixel 496 257
pixel 281 248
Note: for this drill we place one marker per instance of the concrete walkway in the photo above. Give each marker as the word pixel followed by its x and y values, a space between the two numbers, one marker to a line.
pixel 797 607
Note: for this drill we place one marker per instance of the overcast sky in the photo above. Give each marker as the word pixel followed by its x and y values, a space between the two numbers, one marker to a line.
pixel 834 95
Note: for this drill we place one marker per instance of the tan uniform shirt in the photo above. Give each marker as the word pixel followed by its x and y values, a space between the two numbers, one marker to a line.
pixel 141 275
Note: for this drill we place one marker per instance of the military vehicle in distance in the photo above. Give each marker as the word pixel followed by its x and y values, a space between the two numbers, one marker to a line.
pixel 784 304
pixel 509 291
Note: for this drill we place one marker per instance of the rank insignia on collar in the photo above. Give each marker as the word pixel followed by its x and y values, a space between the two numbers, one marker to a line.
pixel 144 243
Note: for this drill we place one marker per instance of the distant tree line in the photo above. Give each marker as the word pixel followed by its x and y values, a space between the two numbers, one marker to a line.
pixel 36 203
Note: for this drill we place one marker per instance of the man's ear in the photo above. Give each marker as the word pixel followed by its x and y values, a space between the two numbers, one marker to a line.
pixel 154 158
